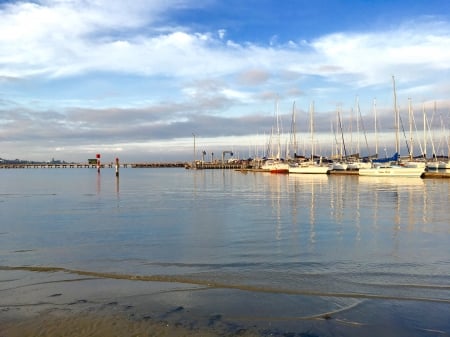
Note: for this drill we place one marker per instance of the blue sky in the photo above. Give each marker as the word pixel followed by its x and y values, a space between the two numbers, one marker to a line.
pixel 135 80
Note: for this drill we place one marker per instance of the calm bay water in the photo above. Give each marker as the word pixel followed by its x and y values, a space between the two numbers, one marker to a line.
pixel 342 242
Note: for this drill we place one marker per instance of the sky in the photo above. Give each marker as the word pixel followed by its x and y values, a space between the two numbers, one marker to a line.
pixel 144 80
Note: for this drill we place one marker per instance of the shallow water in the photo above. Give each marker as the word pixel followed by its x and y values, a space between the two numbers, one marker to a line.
pixel 291 248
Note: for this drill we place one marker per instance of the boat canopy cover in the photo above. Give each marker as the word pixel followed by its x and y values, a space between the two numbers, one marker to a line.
pixel 386 160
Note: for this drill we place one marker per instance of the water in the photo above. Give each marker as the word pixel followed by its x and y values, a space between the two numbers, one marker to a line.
pixel 303 246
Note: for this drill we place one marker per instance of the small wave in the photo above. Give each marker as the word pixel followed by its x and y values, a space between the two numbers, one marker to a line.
pixel 218 285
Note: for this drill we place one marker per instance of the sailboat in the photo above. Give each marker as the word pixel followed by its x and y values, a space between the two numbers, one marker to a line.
pixel 390 166
pixel 276 164
pixel 310 167
pixel 339 163
pixel 441 162
pixel 357 163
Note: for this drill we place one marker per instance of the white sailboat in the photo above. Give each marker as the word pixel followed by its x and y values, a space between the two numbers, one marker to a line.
pixel 358 163
pixel 339 163
pixel 440 162
pixel 309 167
pixel 275 164
pixel 391 168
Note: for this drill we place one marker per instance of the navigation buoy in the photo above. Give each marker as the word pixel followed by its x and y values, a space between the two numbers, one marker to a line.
pixel 98 162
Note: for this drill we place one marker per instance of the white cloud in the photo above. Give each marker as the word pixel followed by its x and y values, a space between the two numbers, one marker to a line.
pixel 221 33
pixel 408 51
pixel 60 38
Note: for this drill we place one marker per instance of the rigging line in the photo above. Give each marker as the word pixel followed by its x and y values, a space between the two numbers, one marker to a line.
pixel 364 130
pixel 342 134
pixel 404 135
pixel 422 153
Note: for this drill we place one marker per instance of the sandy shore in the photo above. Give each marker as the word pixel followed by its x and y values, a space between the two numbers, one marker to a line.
pixel 57 303
pixel 52 324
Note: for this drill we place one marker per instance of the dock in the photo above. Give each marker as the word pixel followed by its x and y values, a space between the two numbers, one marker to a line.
pixel 436 174
pixel 343 172
pixel 86 165
pixel 51 166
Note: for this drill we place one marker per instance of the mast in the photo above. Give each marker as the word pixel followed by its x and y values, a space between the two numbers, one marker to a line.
pixel 278 134
pixel 411 151
pixel 432 133
pixel 397 124
pixel 375 124
pixel 293 131
pixel 342 135
pixel 424 131
pixel 358 112
pixel 311 121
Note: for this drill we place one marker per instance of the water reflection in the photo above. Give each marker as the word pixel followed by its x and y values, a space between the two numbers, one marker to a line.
pixel 352 206
pixel 405 196
pixel 306 196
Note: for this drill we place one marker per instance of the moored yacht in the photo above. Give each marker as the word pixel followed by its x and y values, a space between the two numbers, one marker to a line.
pixel 275 166
pixel 308 167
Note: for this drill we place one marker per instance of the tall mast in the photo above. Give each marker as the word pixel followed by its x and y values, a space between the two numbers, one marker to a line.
pixel 397 124
pixel 376 126
pixel 358 145
pixel 342 136
pixel 293 131
pixel 424 131
pixel 410 112
pixel 278 134
pixel 311 121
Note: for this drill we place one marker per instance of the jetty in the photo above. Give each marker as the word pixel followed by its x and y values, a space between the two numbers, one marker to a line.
pixel 86 165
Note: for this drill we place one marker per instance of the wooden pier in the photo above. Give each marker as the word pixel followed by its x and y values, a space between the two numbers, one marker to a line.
pixel 50 166
pixel 123 165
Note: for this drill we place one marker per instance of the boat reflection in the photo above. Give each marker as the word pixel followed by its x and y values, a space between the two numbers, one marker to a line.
pixel 307 195
pixel 379 182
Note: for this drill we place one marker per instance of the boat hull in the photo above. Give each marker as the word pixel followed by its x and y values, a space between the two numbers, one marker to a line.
pixel 392 171
pixel 276 167
pixel 313 169
pixel 279 171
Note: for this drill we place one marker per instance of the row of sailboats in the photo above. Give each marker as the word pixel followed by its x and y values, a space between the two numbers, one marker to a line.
pixel 372 166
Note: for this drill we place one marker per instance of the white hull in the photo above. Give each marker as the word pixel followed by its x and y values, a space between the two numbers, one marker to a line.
pixel 433 165
pixel 358 165
pixel 339 166
pixel 444 165
pixel 392 171
pixel 275 166
pixel 416 164
pixel 438 165
pixel 308 169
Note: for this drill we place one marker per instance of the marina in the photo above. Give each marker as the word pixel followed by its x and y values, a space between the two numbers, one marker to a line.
pixel 242 166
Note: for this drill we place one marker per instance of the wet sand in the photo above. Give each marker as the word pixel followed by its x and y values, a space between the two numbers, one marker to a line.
pixel 56 303
pixel 59 304
pixel 52 324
